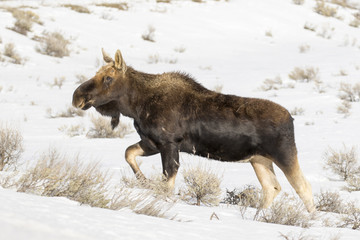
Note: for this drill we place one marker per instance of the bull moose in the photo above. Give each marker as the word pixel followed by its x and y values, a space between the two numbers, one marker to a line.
pixel 173 113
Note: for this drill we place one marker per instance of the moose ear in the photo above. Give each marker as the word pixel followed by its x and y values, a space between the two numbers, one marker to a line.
pixel 119 62
pixel 106 57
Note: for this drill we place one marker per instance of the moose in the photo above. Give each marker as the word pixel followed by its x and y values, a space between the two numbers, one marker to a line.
pixel 173 113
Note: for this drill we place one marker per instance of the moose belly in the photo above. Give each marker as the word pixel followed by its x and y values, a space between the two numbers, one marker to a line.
pixel 224 142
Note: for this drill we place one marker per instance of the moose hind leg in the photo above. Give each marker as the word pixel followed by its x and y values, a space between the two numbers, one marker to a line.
pixel 265 173
pixel 297 180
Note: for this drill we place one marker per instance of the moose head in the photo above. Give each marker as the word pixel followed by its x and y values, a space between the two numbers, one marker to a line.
pixel 104 90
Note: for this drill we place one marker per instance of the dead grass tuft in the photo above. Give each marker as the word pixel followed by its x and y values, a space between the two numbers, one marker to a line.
pixel 149 35
pixel 72 130
pixel 24 20
pixel 120 6
pixel 77 8
pixel 69 112
pixel 324 9
pixel 349 92
pixel 102 129
pixel 298 2
pixel 299 236
pixel 344 108
pixel 271 84
pixel 307 74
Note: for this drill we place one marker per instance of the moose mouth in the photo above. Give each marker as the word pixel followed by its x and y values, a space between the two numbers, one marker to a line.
pixel 86 106
pixel 83 105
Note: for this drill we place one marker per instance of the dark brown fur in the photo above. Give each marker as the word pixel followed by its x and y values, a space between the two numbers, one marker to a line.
pixel 173 113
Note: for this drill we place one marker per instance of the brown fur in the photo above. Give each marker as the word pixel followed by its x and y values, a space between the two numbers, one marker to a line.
pixel 173 113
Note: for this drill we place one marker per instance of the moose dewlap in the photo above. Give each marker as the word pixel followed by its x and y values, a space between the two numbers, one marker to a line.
pixel 173 113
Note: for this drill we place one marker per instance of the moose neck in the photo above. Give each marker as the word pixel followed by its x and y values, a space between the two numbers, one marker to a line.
pixel 135 93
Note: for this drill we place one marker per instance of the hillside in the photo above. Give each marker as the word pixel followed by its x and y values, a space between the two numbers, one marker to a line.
pixel 248 48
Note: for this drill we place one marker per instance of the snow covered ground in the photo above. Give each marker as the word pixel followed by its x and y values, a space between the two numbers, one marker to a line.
pixel 236 44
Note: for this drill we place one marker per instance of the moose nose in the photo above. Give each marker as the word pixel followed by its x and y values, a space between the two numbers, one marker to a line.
pixel 77 100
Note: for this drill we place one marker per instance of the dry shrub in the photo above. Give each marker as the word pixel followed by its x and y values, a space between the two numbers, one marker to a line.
pixel 81 78
pixel 140 202
pixel 156 184
pixel 24 20
pixel 163 1
pixel 344 108
pixel 201 184
pixel 272 84
pixel 352 217
pixel 324 9
pixel 299 236
pixel 180 49
pixel 310 27
pixel 149 35
pixel 54 175
pixel 349 92
pixel 72 130
pixel 355 23
pixel 9 51
pixel 248 196
pixel 304 48
pixel 307 74
pixel 11 147
pixel 343 162
pixel 326 31
pixel 286 210
pixel 69 112
pixel 102 129
pixel 327 201
pixel 120 6
pixel 297 111
pixel 298 2
pixel 77 8
pixel 343 3
pixel 53 44
pixel 58 82
pixel 353 182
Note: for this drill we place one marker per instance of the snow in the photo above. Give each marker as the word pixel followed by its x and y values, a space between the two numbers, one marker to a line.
pixel 225 44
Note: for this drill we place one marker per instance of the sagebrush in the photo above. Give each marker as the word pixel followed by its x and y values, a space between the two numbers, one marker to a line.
pixel 10 51
pixel 202 184
pixel 11 147
pixel 307 74
pixel 55 175
pixel 328 201
pixel 286 210
pixel 343 162
pixel 54 44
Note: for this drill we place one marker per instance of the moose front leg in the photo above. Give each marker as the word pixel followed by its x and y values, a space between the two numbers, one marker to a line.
pixel 138 149
pixel 170 162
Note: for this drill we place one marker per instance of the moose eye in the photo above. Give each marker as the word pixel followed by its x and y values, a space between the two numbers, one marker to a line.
pixel 108 80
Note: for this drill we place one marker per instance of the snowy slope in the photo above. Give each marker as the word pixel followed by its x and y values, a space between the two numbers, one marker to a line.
pixel 226 44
